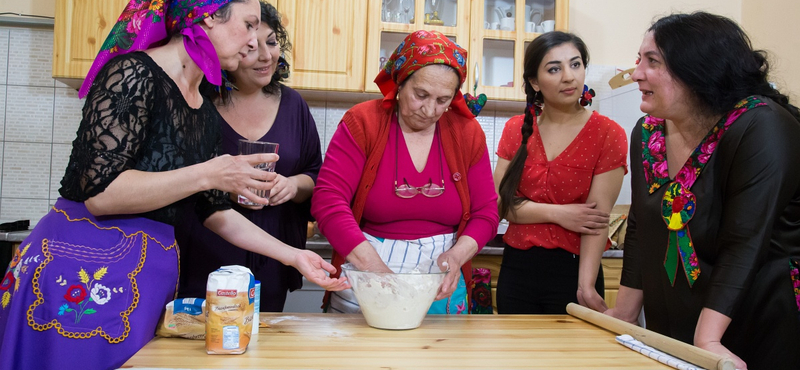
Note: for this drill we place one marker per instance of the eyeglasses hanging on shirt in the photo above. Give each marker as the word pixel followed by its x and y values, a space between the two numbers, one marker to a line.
pixel 429 190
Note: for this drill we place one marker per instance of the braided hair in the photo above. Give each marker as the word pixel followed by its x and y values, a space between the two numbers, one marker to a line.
pixel 534 55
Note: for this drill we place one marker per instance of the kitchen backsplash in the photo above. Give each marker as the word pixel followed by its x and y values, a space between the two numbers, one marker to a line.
pixel 40 116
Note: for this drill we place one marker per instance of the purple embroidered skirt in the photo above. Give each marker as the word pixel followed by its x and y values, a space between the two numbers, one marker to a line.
pixel 84 292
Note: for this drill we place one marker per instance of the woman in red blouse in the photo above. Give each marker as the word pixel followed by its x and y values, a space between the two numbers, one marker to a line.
pixel 558 188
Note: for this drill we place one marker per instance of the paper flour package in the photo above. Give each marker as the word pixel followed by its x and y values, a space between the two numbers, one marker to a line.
pixel 184 318
pixel 230 294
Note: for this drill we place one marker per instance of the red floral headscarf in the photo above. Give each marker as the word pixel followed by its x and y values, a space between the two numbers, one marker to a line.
pixel 420 49
pixel 147 23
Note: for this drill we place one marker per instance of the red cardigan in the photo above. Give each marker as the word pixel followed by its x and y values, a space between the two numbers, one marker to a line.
pixel 463 141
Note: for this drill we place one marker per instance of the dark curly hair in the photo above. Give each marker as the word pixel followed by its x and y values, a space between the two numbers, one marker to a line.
pixel 270 17
pixel 715 59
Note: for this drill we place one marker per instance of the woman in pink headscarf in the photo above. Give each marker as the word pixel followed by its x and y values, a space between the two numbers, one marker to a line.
pixel 87 287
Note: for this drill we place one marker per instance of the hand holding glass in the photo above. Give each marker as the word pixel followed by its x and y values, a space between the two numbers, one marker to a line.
pixel 256 147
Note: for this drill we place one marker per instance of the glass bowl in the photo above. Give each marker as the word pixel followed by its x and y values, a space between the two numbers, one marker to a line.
pixel 397 300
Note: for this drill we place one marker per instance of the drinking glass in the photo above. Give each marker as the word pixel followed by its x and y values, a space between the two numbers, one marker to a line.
pixel 255 147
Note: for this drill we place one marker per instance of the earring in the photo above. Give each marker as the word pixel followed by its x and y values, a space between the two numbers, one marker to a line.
pixel 586 97
pixel 283 67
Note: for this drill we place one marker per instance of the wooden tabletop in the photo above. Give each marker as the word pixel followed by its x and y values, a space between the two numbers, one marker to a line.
pixel 335 341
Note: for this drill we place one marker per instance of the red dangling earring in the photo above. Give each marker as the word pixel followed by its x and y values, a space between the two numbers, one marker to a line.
pixel 586 97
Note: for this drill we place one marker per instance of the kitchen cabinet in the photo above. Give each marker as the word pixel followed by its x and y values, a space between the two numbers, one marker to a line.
pixel 494 32
pixel 500 31
pixel 81 27
pixel 392 20
pixel 328 38
pixel 340 45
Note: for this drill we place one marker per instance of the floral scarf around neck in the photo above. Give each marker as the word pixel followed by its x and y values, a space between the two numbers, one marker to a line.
pixel 679 203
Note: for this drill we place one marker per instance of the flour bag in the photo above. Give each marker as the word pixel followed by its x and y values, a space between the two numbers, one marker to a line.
pixel 230 294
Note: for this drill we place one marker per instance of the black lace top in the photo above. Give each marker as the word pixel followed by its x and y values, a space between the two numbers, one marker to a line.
pixel 135 117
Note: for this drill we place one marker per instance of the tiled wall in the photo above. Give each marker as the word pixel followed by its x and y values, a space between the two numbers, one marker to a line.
pixel 39 117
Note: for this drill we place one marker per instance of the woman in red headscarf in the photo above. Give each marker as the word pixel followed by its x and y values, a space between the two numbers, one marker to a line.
pixel 87 287
pixel 407 178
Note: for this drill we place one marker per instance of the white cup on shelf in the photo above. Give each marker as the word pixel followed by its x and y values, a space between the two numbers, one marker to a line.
pixel 548 25
pixel 507 24
pixel 530 26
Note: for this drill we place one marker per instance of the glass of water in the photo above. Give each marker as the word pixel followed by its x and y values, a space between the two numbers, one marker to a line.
pixel 255 147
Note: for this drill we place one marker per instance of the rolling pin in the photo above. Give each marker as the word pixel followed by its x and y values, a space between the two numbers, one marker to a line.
pixel 684 351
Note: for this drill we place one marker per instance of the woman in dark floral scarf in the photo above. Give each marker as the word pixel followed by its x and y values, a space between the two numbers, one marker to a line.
pixel 87 287
pixel 713 241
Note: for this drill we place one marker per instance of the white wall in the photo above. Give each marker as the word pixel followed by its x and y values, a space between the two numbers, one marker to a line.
pixel 613 29
pixel 32 7
pixel 774 26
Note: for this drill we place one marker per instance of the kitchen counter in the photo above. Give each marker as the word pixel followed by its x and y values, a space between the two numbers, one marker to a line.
pixel 14 236
pixel 335 341
pixel 316 243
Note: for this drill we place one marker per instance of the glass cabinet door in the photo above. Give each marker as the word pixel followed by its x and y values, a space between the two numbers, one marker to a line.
pixel 390 21
pixel 500 32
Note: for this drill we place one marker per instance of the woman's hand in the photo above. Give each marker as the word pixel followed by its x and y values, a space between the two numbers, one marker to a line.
pixel 591 299
pixel 718 348
pixel 236 174
pixel 284 190
pixel 581 218
pixel 453 259
pixel 313 267
pixel 711 326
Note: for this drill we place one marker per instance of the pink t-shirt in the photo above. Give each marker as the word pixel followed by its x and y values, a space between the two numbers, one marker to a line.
pixel 600 146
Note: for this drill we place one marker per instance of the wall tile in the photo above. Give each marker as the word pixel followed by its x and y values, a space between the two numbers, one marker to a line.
pixel 30 57
pixel 26 170
pixel 24 209
pixel 29 114
pixel 3 106
pixel 317 109
pixel 58 164
pixel 333 115
pixel 67 115
pixel 4 38
pixel 487 124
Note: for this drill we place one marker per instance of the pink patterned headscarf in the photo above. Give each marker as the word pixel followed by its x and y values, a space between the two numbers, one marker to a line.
pixel 148 23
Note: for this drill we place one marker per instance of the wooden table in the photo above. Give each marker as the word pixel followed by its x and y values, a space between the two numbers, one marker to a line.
pixel 335 341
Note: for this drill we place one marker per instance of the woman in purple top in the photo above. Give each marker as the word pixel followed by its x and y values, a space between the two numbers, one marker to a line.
pixel 260 108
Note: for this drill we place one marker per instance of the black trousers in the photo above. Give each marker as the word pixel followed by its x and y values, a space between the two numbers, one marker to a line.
pixel 539 281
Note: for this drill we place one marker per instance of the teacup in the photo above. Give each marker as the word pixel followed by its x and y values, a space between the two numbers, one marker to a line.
pixel 548 25
pixel 507 24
